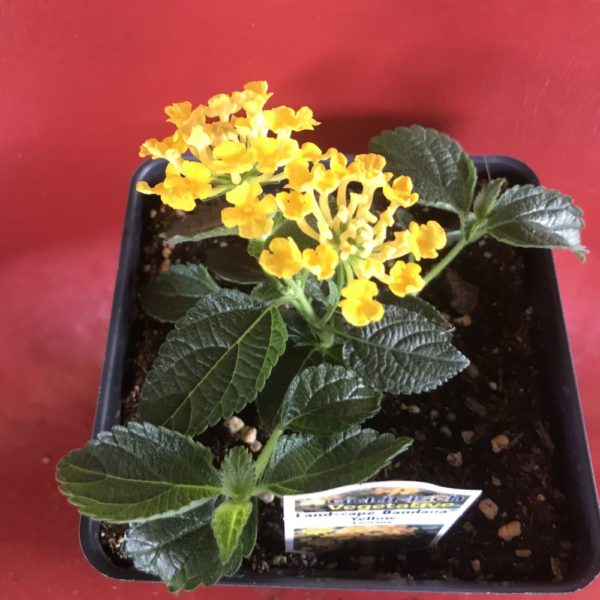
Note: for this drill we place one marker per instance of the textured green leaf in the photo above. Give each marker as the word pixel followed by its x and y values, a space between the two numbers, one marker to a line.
pixel 327 399
pixel 417 305
pixel 213 362
pixel 169 297
pixel 234 264
pixel 442 174
pixel 305 463
pixel 238 474
pixel 248 539
pixel 407 352
pixel 137 473
pixel 228 522
pixel 533 217
pixel 267 291
pixel 202 223
pixel 181 550
pixel 487 196
pixel 270 398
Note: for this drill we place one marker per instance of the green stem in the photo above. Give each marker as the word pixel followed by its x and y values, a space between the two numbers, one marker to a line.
pixel 263 459
pixel 444 262
pixel 339 282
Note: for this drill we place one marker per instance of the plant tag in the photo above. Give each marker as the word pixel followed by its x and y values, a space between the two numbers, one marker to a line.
pixel 412 511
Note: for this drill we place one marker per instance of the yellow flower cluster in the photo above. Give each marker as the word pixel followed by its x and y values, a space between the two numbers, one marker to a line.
pixel 333 205
pixel 237 147
pixel 219 145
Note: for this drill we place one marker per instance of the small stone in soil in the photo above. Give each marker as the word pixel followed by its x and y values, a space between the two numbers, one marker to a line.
pixel 280 560
pixel 468 526
pixel 164 265
pixel 248 434
pixel 451 417
pixel 523 553
pixel 555 567
pixel 455 459
pixel 476 565
pixel 499 443
pixel 489 508
pixel 153 213
pixel 445 430
pixel 493 386
pixel 472 371
pixel 413 409
pixel 510 531
pixel 464 320
pixel 467 436
pixel 234 425
pixel 255 446
pixel 266 497
pixel 476 407
pixel 495 481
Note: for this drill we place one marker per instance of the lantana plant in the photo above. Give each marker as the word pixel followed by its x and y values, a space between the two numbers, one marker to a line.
pixel 334 324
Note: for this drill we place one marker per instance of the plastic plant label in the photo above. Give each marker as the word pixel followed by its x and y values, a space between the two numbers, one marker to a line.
pixel 412 511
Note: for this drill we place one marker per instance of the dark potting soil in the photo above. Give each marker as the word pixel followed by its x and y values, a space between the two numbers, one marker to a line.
pixel 485 429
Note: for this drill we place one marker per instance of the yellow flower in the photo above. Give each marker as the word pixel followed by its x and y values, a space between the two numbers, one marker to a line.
pixel 298 174
pixel 294 205
pixel 405 279
pixel 179 113
pixel 232 157
pixel 369 268
pixel 284 119
pixel 282 259
pixel 367 165
pixel 311 151
pixel 253 98
pixel 221 106
pixel 400 192
pixel 171 148
pixel 338 162
pixel 181 189
pixel 271 153
pixel 324 180
pixel 321 261
pixel 358 306
pixel 249 214
pixel 426 239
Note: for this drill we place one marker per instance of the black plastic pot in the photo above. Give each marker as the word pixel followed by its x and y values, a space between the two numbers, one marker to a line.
pixel 564 412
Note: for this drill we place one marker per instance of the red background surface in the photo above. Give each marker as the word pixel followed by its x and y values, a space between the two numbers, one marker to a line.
pixel 84 82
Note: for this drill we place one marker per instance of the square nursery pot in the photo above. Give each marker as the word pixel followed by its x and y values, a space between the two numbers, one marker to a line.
pixel 572 462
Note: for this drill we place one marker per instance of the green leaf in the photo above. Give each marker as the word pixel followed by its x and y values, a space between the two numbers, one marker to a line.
pixel 327 399
pixel 228 522
pixel 169 297
pixel 270 398
pixel 442 174
pixel 234 264
pixel 304 463
pixel 248 539
pixel 533 217
pixel 238 473
pixel 487 196
pixel 202 223
pixel 213 362
pixel 417 305
pixel 137 473
pixel 181 550
pixel 407 352
pixel 266 291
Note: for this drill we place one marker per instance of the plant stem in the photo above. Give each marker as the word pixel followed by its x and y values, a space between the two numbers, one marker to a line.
pixel 263 460
pixel 448 258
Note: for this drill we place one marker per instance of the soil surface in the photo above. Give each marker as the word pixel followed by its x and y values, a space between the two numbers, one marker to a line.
pixel 486 429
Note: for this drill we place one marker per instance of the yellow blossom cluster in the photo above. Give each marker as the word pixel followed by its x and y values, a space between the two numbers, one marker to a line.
pixel 238 147
pixel 332 203
pixel 230 140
